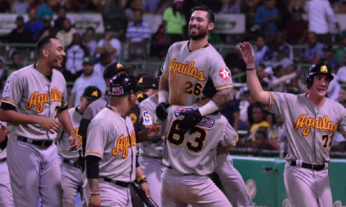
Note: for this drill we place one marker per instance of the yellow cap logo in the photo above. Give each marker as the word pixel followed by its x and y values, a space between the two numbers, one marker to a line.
pixel 140 95
pixel 140 80
pixel 154 85
pixel 95 93
pixel 119 65
pixel 324 69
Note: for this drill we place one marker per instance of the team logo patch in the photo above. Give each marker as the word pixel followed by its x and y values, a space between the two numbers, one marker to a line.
pixel 147 119
pixel 180 110
pixel 140 80
pixel 324 69
pixel 225 73
pixel 95 93
pixel 6 89
pixel 118 90
pixel 133 118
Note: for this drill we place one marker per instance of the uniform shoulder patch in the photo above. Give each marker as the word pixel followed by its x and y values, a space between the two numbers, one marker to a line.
pixel 133 118
pixel 6 89
pixel 147 119
pixel 225 73
pixel 180 110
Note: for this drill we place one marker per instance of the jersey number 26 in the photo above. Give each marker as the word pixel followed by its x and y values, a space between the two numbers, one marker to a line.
pixel 177 137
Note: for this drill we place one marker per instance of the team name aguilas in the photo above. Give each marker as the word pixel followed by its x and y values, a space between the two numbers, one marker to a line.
pixel 38 100
pixel 186 69
pixel 320 124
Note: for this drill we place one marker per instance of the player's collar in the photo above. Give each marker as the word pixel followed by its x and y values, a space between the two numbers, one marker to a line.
pixel 188 43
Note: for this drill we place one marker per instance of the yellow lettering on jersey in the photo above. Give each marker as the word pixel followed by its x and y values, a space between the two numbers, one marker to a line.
pixel 320 124
pixel 78 136
pixel 123 145
pixel 187 69
pixel 38 100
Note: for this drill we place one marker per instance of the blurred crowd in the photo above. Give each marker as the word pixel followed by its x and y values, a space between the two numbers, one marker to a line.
pixel 273 27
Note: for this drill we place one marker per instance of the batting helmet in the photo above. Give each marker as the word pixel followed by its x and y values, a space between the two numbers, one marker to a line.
pixel 315 69
pixel 122 84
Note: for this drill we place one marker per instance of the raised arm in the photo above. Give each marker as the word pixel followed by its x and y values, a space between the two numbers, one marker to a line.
pixel 256 90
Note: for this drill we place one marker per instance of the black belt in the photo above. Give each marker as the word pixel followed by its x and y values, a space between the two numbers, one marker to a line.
pixel 3 159
pixel 43 144
pixel 72 163
pixel 120 183
pixel 309 166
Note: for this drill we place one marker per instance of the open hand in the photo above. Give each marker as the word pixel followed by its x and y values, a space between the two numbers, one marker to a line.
pixel 153 130
pixel 247 54
pixel 75 142
pixel 49 124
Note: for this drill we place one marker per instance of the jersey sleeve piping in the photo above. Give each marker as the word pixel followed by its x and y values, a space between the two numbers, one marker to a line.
pixel 235 142
pixel 9 102
pixel 270 102
pixel 165 72
pixel 224 86
pixel 93 153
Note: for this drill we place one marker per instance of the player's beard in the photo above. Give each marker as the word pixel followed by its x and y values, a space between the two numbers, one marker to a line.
pixel 200 35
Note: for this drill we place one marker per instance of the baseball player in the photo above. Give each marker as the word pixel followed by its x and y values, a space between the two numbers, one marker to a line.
pixel 71 162
pixel 150 152
pixel 188 66
pixel 33 98
pixel 111 147
pixel 5 186
pixel 311 120
pixel 190 158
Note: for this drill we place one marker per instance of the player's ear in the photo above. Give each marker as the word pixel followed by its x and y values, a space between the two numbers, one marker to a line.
pixel 81 99
pixel 45 52
pixel 211 26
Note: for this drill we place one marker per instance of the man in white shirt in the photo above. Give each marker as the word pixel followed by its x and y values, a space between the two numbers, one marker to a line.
pixel 109 44
pixel 88 78
pixel 319 11
pixel 341 75
pixel 99 68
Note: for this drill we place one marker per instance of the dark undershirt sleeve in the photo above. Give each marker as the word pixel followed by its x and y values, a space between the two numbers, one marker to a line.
pixel 6 106
pixel 92 167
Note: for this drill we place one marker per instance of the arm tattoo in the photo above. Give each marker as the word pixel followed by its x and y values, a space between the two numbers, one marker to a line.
pixel 223 97
pixel 94 185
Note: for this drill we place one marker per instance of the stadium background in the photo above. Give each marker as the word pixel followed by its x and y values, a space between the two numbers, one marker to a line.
pixel 285 48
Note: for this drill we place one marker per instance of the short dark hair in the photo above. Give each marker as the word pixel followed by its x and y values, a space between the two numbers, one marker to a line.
pixel 42 43
pixel 138 10
pixel 264 134
pixel 211 16
pixel 13 54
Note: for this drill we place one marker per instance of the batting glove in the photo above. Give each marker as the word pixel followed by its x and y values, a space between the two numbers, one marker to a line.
pixel 190 120
pixel 161 111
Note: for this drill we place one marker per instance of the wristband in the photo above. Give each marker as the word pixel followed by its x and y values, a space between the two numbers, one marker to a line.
pixel 251 69
pixel 163 96
pixel 96 193
pixel 141 178
pixel 208 108
pixel 143 181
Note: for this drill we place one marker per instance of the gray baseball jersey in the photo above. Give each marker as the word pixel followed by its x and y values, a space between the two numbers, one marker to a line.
pixel 112 138
pixel 3 153
pixel 188 72
pixel 195 153
pixel 310 129
pixel 148 107
pixel 42 98
pixel 64 141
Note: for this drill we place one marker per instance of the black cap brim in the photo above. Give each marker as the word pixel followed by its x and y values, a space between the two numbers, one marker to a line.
pixel 127 69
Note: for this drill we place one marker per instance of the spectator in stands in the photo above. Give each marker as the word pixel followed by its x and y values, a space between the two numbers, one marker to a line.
pixel 297 29
pixel 174 22
pixel 319 11
pixel 232 7
pixel 293 86
pixel 19 35
pixel 280 44
pixel 5 6
pixel 280 78
pixel 262 141
pixel 329 59
pixel 314 50
pixel 88 78
pixel 130 7
pixel 268 15
pixel 341 75
pixel 250 6
pixel 163 5
pixel 113 15
pixel 258 116
pixel 75 53
pixel 20 7
pixel 33 24
pixel 263 76
pixel 3 71
pixel 66 34
pixel 15 62
pixel 150 5
pixel 89 40
pixel 341 50
pixel 342 97
pixel 47 29
pixel 274 130
pixel 333 89
pixel 232 113
pixel 281 58
pixel 214 5
pixel 43 10
pixel 110 45
pixel 261 50
pixel 342 7
pixel 59 22
pixel 99 68
pixel 138 35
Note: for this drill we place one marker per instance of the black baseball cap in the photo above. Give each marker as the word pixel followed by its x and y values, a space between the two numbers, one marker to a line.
pixel 114 68
pixel 88 60
pixel 147 82
pixel 92 93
